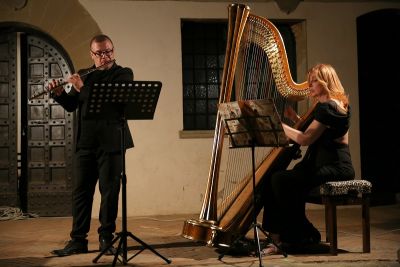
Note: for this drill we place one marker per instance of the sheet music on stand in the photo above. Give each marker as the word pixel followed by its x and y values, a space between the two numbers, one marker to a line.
pixel 253 123
pixel 111 99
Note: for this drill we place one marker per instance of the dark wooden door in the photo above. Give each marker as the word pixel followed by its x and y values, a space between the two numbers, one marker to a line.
pixel 8 121
pixel 43 133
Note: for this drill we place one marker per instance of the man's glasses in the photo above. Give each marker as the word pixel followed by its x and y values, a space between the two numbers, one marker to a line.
pixel 106 53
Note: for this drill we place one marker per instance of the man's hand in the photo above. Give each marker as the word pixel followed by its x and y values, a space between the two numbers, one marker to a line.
pixel 76 81
pixel 54 86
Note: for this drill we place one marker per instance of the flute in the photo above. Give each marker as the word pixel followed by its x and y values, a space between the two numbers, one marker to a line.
pixel 64 83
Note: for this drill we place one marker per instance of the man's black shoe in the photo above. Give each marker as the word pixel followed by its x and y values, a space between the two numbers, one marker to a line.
pixel 74 246
pixel 105 244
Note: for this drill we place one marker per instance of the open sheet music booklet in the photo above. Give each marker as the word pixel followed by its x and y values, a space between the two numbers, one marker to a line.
pixel 252 122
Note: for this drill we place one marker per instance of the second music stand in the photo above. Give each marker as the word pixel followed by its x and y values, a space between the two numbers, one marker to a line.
pixel 253 123
pixel 134 100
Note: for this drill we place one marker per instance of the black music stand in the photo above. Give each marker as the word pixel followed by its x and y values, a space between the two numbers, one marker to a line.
pixel 133 100
pixel 253 123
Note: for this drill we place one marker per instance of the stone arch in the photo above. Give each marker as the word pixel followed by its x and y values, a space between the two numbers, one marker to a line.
pixel 67 22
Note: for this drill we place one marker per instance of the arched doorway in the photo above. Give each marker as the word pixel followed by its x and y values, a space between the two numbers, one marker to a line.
pixel 39 130
pixel 378 38
pixel 43 44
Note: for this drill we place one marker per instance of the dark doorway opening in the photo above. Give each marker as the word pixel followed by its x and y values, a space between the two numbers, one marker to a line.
pixel 378 41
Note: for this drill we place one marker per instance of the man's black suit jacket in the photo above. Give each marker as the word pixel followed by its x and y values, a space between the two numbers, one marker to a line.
pixel 91 133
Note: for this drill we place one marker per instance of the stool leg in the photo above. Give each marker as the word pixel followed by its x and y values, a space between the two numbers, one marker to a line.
pixel 332 225
pixel 366 224
pixel 327 221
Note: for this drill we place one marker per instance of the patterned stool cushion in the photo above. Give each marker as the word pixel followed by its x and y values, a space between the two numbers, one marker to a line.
pixel 343 188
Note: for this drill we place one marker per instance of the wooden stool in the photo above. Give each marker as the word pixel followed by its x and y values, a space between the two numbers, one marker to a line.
pixel 332 194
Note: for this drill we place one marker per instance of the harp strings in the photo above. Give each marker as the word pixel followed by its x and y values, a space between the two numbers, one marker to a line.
pixel 233 180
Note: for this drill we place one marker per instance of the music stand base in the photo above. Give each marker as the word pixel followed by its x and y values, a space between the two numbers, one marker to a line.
pixel 257 247
pixel 122 250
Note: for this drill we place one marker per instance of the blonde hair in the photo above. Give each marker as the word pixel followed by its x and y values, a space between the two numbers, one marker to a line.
pixel 326 75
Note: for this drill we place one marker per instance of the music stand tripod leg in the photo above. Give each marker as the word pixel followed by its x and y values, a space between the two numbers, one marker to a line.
pixel 256 237
pixel 146 246
pixel 106 249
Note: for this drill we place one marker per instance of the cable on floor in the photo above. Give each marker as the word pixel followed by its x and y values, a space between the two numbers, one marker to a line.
pixel 12 213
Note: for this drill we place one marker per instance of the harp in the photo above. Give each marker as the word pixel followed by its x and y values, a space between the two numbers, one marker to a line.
pixel 255 67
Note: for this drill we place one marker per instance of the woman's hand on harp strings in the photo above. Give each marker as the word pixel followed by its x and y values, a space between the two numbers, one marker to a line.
pixel 291 114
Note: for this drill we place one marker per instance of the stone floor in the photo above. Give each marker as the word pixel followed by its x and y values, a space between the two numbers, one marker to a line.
pixel 28 242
